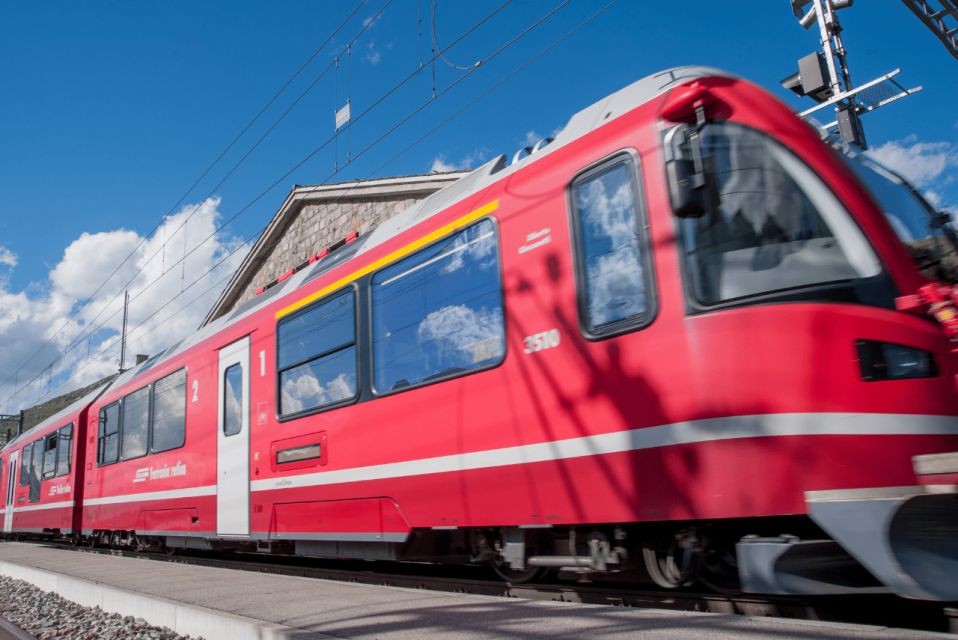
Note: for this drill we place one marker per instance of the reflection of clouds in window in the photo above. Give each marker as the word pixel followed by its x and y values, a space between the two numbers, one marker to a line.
pixel 438 312
pixel 477 245
pixel 615 284
pixel 320 382
pixel 136 408
pixel 169 411
pixel 462 337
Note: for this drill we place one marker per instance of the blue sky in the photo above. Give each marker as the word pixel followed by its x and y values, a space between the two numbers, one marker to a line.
pixel 110 110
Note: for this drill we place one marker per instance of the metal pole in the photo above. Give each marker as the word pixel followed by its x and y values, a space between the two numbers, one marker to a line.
pixel 126 307
pixel 826 38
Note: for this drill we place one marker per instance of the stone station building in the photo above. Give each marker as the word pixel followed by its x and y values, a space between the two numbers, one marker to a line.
pixel 314 217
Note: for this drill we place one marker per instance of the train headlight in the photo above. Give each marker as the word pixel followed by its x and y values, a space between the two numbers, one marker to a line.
pixel 887 361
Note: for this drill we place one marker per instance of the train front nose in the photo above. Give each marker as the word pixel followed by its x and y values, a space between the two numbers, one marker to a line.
pixel 907 537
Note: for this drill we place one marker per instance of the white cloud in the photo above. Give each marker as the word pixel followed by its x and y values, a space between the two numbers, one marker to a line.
pixel 441 164
pixel 373 55
pixel 531 138
pixel 919 162
pixel 29 318
pixel 7 257
pixel 369 21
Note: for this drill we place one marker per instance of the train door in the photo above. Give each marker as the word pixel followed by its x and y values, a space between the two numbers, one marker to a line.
pixel 232 439
pixel 11 490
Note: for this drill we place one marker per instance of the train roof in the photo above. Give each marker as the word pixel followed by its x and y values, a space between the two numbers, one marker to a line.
pixel 59 418
pixel 586 120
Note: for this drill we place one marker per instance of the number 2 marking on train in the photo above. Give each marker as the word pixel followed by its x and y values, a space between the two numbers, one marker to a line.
pixel 541 341
pixel 196 390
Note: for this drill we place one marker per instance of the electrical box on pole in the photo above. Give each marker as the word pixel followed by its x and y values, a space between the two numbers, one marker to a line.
pixel 824 75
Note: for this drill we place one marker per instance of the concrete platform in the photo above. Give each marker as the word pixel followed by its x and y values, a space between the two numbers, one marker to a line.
pixel 237 605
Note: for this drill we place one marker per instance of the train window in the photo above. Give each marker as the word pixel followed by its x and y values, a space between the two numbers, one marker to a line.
pixel 233 400
pixel 36 470
pixel 135 424
pixel 108 436
pixel 316 353
pixel 50 455
pixel 773 224
pixel 614 283
pixel 64 450
pixel 25 465
pixel 169 412
pixel 438 313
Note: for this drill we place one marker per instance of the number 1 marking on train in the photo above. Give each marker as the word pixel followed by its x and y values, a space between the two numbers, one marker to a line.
pixel 541 341
pixel 262 363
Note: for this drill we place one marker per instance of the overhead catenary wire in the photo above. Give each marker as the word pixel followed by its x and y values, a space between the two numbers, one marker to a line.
pixel 222 181
pixel 92 326
pixel 435 41
pixel 471 103
pixel 189 190
pixel 277 182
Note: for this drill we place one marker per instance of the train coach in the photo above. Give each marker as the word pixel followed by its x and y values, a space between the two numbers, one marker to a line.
pixel 41 473
pixel 685 335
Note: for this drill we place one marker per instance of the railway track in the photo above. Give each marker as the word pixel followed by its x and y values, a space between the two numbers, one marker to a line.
pixel 881 610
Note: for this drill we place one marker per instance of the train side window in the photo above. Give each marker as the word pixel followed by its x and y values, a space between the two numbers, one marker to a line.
pixel 233 400
pixel 50 455
pixel 169 412
pixel 64 450
pixel 438 313
pixel 36 470
pixel 108 436
pixel 316 353
pixel 25 465
pixel 612 266
pixel 135 424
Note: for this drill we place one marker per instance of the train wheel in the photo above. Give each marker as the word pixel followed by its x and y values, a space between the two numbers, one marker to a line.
pixel 516 576
pixel 719 572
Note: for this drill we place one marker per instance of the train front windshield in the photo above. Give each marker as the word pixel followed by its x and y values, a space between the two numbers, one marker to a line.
pixel 772 228
pixel 928 235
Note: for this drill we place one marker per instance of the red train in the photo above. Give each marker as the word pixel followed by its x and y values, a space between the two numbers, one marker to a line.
pixel 686 336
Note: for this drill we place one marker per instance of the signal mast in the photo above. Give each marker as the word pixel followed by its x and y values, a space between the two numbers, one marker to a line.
pixel 824 75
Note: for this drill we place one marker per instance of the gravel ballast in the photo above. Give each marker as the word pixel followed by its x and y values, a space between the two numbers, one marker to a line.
pixel 46 615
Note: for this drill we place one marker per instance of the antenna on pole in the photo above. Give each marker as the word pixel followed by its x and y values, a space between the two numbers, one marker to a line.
pixel 126 308
pixel 824 75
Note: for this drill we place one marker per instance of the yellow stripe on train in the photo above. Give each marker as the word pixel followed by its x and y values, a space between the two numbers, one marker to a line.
pixel 402 252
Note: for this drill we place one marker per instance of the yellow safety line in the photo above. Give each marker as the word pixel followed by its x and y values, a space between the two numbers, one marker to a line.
pixel 392 257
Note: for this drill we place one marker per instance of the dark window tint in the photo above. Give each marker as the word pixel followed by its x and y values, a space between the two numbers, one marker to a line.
pixel 438 313
pixel 233 400
pixel 36 470
pixel 614 285
pixel 136 424
pixel 108 437
pixel 317 355
pixel 50 456
pixel 65 450
pixel 169 412
pixel 25 465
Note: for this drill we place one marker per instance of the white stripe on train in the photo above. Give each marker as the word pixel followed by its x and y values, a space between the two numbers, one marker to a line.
pixel 697 431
